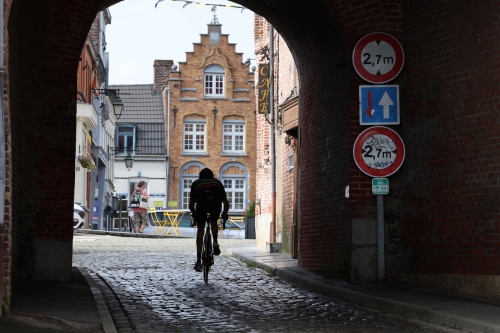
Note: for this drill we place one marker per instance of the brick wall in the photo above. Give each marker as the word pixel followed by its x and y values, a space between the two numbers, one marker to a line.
pixel 263 130
pixel 85 75
pixel 328 88
pixel 450 192
pixel 287 81
pixel 7 230
pixel 161 70
pixel 41 161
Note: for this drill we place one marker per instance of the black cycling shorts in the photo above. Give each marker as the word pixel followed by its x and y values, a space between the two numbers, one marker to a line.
pixel 201 216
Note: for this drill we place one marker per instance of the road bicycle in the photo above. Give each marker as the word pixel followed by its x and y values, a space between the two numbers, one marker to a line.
pixel 207 251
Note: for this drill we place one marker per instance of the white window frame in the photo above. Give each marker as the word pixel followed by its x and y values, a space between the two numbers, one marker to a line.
pixel 231 191
pixel 232 135
pixel 214 81
pixel 186 191
pixel 194 133
pixel 245 190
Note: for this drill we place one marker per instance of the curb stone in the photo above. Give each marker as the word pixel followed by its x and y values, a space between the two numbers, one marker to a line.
pixel 107 322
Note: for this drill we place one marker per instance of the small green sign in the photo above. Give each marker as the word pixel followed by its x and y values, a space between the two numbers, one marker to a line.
pixel 380 186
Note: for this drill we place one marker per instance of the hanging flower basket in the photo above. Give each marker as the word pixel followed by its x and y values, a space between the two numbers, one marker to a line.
pixel 86 162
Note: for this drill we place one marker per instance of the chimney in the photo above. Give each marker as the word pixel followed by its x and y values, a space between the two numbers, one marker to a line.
pixel 162 72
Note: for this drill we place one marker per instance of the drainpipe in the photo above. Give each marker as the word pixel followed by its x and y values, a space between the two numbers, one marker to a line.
pixel 2 156
pixel 272 150
pixel 167 88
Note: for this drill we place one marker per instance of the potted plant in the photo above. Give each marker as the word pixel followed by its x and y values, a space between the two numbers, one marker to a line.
pixel 87 162
pixel 250 212
pixel 250 222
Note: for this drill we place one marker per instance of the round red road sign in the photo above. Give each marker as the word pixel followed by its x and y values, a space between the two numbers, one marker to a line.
pixel 379 151
pixel 378 57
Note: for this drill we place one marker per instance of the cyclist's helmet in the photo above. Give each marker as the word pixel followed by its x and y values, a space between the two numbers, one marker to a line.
pixel 206 174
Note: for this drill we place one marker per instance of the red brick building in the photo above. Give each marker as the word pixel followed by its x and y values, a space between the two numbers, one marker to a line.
pixel 210 111
pixel 284 214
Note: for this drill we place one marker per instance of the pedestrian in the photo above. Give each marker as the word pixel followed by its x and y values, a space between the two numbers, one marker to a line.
pixel 141 220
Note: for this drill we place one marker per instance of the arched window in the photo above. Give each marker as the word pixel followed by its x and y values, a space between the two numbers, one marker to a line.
pixel 188 174
pixel 234 177
pixel 214 80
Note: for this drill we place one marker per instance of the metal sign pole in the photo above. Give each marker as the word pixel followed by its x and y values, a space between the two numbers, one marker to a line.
pixel 120 221
pixel 381 236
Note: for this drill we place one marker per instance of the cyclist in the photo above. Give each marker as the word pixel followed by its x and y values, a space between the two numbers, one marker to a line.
pixel 208 194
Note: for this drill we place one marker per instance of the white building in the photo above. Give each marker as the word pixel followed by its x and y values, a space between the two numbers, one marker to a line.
pixel 140 132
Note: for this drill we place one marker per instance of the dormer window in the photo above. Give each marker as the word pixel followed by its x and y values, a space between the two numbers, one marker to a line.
pixel 125 139
pixel 214 80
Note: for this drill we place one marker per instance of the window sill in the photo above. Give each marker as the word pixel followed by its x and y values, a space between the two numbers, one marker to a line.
pixel 234 154
pixel 198 153
pixel 214 97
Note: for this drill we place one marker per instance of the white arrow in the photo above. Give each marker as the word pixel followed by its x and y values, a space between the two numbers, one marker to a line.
pixel 386 101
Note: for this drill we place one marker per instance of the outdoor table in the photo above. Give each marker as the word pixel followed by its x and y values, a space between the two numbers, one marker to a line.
pixel 159 223
pixel 173 218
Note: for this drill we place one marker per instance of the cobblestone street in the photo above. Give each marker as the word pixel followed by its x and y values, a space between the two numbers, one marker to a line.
pixel 150 286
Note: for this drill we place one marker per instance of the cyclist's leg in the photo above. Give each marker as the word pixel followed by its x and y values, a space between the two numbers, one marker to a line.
pixel 214 216
pixel 200 219
pixel 214 227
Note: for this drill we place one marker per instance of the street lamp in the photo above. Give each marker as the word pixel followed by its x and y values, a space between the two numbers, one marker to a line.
pixel 117 102
pixel 118 107
pixel 129 161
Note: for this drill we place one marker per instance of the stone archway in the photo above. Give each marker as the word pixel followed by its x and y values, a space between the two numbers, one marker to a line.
pixel 44 44
pixel 443 86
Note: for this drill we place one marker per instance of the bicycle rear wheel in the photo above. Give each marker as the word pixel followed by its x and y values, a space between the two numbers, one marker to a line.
pixel 207 263
pixel 206 253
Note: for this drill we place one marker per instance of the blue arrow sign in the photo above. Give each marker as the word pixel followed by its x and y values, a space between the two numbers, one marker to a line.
pixel 379 105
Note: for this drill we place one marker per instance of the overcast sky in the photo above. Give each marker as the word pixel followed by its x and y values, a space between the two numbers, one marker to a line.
pixel 139 33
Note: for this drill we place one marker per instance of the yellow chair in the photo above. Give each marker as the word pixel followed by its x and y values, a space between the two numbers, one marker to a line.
pixel 160 224
pixel 236 223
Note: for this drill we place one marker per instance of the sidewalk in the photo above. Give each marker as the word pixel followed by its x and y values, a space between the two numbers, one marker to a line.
pixel 433 307
pixel 55 307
